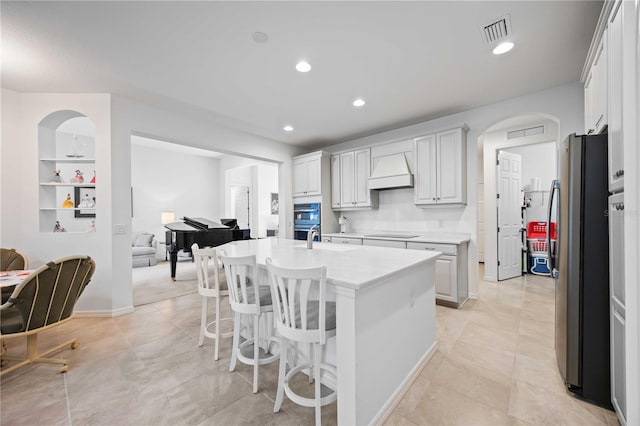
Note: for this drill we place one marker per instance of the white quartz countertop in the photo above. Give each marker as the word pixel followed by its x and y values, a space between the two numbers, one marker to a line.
pixel 422 237
pixel 351 266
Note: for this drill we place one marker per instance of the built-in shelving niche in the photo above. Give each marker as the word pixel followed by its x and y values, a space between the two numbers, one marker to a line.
pixel 66 143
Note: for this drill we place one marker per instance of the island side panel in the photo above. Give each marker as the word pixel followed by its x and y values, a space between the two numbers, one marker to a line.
pixel 388 329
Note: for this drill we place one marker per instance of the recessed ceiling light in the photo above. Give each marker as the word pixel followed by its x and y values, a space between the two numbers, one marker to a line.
pixel 288 128
pixel 503 48
pixel 260 37
pixel 358 102
pixel 303 66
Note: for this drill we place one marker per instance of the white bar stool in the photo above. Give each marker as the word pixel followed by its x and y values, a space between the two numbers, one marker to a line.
pixel 299 318
pixel 247 297
pixel 214 286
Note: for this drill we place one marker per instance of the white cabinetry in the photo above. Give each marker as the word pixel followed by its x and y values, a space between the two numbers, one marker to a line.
pixel 65 198
pixel 452 287
pixel 349 174
pixel 614 55
pixel 341 240
pixel 307 174
pixel 384 243
pixel 595 91
pixel 618 303
pixel 335 181
pixel 440 168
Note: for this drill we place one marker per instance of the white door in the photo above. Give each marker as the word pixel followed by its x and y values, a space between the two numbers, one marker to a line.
pixel 313 177
pixel 425 169
pixel 449 186
pixel 361 163
pixel 346 180
pixel 509 216
pixel 335 181
pixel 240 205
pixel 299 177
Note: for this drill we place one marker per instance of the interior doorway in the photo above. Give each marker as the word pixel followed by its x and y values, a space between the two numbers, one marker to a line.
pixel 199 185
pixel 534 137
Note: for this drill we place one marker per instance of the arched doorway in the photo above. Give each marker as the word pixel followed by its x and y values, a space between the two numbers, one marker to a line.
pixel 535 135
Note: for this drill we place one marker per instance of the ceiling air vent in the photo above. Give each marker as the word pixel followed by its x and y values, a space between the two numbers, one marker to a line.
pixel 497 30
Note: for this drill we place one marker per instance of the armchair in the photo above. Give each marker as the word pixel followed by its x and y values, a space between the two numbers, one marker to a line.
pixel 45 299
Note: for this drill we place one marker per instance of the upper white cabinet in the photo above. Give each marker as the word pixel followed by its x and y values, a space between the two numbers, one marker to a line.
pixel 307 174
pixel 440 168
pixel 349 174
pixel 595 91
pixel 335 181
pixel 614 54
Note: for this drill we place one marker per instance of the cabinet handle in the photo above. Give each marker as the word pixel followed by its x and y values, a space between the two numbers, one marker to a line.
pixel 434 198
pixel 621 172
pixel 619 206
pixel 591 131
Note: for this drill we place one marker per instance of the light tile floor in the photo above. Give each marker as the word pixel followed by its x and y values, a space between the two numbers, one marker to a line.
pixel 495 364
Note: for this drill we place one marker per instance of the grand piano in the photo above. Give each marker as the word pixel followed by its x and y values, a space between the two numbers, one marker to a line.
pixel 205 232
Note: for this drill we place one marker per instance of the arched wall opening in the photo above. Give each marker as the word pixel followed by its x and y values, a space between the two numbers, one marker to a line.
pixel 503 135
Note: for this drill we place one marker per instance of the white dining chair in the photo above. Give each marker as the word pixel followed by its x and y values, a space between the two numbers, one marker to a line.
pixel 302 315
pixel 248 297
pixel 211 284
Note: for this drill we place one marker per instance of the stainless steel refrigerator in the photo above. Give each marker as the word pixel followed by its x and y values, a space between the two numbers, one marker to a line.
pixel 579 264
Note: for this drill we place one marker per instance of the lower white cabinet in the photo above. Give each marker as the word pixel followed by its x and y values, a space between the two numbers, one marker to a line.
pixel 343 240
pixel 617 305
pixel 451 275
pixel 452 283
pixel 446 278
pixel 384 243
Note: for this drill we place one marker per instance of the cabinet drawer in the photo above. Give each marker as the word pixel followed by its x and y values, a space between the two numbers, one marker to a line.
pixel 342 240
pixel 384 243
pixel 444 248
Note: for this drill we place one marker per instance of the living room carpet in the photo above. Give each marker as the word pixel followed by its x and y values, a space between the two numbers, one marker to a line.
pixel 153 283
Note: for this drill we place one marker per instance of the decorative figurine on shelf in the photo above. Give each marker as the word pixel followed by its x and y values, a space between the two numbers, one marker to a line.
pixel 67 203
pixel 58 228
pixel 86 202
pixel 92 227
pixel 93 179
pixel 56 177
pixel 78 178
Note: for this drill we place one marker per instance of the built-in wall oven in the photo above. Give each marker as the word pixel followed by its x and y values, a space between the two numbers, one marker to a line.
pixel 306 216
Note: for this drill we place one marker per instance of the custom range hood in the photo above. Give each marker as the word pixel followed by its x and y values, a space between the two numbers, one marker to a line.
pixel 390 171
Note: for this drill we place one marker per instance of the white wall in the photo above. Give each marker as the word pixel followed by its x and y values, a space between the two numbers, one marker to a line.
pixel 163 180
pixel 492 141
pixel 262 178
pixel 21 114
pixel 397 211
pixel 538 161
pixel 115 119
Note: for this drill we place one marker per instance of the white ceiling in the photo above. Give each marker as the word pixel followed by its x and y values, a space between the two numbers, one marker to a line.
pixel 411 61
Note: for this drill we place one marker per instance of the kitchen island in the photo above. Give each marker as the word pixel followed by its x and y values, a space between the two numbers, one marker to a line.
pixel 452 278
pixel 385 321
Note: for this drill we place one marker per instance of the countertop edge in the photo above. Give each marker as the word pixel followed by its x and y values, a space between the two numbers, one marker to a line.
pixel 422 238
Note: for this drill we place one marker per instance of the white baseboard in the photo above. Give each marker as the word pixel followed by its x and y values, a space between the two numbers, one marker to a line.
pixel 398 394
pixel 104 313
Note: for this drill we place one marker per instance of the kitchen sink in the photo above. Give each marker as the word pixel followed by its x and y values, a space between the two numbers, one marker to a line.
pixel 402 236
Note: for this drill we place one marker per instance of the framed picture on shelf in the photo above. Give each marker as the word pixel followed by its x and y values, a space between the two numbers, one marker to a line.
pixel 85 197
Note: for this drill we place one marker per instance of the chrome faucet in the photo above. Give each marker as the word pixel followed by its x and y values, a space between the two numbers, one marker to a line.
pixel 310 236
